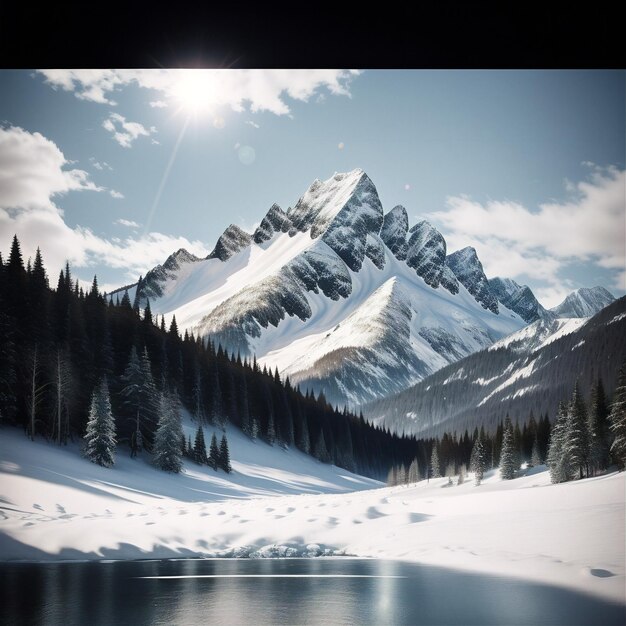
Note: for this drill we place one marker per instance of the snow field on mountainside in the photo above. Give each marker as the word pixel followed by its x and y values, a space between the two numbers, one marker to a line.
pixel 57 505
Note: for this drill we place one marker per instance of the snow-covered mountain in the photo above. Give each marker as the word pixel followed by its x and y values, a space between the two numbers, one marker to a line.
pixel 336 293
pixel 584 302
pixel 532 369
pixel 518 298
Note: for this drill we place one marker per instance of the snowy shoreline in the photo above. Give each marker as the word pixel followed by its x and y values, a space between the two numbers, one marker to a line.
pixel 57 506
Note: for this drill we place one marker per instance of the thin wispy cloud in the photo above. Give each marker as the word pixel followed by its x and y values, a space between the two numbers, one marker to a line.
pixel 116 194
pixel 239 90
pixel 253 124
pixel 125 132
pixel 100 165
pixel 128 223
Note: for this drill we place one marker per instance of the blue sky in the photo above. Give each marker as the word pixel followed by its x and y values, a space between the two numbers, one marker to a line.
pixel 116 170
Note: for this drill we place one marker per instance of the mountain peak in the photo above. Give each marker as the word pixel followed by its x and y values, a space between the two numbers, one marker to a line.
pixel 467 267
pixel 231 241
pixel 426 252
pixel 519 298
pixel 584 302
pixel 394 231
pixel 342 210
pixel 275 221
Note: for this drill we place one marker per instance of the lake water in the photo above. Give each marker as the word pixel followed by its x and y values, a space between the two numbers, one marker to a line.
pixel 283 591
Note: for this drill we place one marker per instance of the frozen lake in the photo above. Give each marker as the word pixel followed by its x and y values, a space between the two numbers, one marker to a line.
pixel 283 591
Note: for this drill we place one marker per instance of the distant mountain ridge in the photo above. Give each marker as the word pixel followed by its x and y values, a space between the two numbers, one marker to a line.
pixel 532 369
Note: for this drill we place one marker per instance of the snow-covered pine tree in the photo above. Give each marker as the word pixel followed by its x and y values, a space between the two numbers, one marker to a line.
pixel 254 428
pixel 535 459
pixel 401 475
pixel 199 448
pixel 167 452
pixel 413 476
pixel 558 460
pixel 149 398
pixel 132 381
pixel 508 456
pixel 224 457
pixel 391 477
pixel 576 443
pixel 617 420
pixel 100 435
pixel 434 462
pixel 214 453
pixel 478 460
pixel 461 478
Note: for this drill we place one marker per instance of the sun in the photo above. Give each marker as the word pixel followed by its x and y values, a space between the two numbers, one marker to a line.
pixel 196 91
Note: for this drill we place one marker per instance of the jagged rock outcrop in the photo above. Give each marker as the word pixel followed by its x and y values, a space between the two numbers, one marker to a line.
pixel 426 252
pixel 469 270
pixel 394 231
pixel 518 298
pixel 231 241
pixel 275 221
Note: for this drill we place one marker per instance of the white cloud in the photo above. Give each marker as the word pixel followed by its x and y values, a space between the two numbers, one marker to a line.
pixel 253 124
pixel 512 240
pixel 125 132
pixel 100 165
pixel 256 90
pixel 32 170
pixel 158 104
pixel 128 223
pixel 116 194
pixel 32 174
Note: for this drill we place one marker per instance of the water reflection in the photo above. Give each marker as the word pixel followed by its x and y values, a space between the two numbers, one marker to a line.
pixel 368 592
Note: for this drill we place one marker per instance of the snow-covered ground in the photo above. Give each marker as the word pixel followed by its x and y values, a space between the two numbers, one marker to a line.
pixel 55 505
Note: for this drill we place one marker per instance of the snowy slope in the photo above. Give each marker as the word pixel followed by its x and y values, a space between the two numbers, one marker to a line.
pixel 532 369
pixel 309 292
pixel 59 506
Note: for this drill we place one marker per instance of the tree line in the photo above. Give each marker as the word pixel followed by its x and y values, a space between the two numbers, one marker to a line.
pixel 583 441
pixel 76 362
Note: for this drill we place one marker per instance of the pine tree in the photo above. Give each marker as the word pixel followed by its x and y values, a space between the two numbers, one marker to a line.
pixel 617 420
pixel 391 477
pixel 149 399
pixel 271 431
pixel 100 436
pixel 224 456
pixel 413 475
pixel 576 443
pixel 199 448
pixel 478 460
pixel 401 475
pixel 321 451
pixel 508 456
pixel 132 380
pixel 599 451
pixel 214 453
pixel 461 478
pixel 167 452
pixel 535 459
pixel 435 468
pixel 558 459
